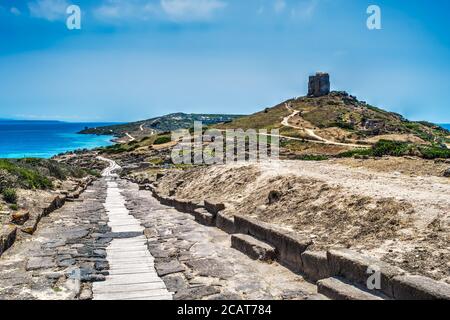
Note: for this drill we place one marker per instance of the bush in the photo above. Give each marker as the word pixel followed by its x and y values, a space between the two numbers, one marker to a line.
pixel 311 157
pixel 356 152
pixel 14 207
pixel 390 148
pixel 27 178
pixel 435 152
pixel 10 195
pixel 162 140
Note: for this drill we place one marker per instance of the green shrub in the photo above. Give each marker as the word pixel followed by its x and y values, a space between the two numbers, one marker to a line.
pixel 10 195
pixel 311 157
pixel 28 178
pixel 390 148
pixel 434 153
pixel 356 152
pixel 162 140
pixel 14 207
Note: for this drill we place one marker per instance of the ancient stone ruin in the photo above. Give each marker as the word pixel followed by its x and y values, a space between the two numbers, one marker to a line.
pixel 319 85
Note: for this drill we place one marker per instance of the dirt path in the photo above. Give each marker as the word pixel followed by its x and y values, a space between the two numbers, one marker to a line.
pixel 130 136
pixel 312 134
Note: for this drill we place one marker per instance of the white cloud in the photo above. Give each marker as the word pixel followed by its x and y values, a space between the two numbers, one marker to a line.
pixel 48 9
pixel 279 6
pixel 191 10
pixel 15 11
pixel 305 10
pixel 126 10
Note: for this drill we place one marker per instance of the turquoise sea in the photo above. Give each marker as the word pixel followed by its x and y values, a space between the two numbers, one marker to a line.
pixel 446 126
pixel 44 139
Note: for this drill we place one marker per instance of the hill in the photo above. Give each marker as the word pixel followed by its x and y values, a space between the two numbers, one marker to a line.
pixel 165 123
pixel 338 122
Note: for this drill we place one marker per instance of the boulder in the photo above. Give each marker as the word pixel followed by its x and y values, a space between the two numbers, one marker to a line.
pixel 20 217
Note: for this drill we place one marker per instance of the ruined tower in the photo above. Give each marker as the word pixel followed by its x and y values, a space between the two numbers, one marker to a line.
pixel 319 85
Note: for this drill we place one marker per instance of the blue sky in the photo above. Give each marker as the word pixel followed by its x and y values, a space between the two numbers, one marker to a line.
pixel 137 59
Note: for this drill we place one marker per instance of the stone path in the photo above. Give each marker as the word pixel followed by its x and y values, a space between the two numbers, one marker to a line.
pixel 132 273
pixel 63 257
pixel 197 262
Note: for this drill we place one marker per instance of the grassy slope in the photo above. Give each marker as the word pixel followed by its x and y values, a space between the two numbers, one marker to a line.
pixel 345 112
pixel 31 173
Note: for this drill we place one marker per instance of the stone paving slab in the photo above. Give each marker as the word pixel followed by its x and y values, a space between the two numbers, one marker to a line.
pixel 198 262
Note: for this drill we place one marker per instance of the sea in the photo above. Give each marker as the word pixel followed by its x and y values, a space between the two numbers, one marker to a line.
pixel 45 139
pixel 446 126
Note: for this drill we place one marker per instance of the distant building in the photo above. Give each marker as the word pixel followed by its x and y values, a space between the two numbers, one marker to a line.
pixel 374 124
pixel 319 85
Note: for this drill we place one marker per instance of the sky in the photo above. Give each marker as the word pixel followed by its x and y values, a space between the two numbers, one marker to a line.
pixel 137 59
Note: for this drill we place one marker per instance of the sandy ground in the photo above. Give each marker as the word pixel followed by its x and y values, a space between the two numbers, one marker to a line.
pixel 399 217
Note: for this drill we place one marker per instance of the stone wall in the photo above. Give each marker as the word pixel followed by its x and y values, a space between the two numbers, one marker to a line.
pixel 319 85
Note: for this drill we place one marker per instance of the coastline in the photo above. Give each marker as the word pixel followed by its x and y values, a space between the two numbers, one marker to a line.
pixel 46 139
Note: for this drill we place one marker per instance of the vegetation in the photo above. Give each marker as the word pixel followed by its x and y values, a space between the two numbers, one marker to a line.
pixel 398 149
pixel 9 195
pixel 33 173
pixel 165 123
pixel 311 157
pixel 162 140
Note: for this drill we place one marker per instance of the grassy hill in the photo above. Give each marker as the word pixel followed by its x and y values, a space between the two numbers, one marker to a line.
pixel 165 123
pixel 342 111
pixel 342 118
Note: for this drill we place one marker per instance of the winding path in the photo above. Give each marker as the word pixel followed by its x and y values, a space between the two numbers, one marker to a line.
pixel 131 267
pixel 130 136
pixel 312 134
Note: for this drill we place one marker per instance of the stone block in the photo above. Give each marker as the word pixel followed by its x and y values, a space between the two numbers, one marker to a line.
pixel 409 287
pixel 252 247
pixel 355 266
pixel 315 265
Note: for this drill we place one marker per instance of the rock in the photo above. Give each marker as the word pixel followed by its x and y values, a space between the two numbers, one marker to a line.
pixel 166 268
pixel 20 217
pixel 225 223
pixel 339 289
pixel 214 207
pixel 252 247
pixel 196 293
pixel 409 287
pixel 175 282
pixel 274 196
pixel 354 267
pixel 315 265
pixel 446 173
pixel 101 265
pixel 7 237
pixel 86 294
pixel 204 217
pixel 211 268
pixel 35 263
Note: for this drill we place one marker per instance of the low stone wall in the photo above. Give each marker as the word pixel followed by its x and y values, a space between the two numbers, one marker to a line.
pixel 291 250
pixel 288 245
pixel 30 219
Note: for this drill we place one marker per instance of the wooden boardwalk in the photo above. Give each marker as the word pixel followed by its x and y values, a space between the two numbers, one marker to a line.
pixel 132 275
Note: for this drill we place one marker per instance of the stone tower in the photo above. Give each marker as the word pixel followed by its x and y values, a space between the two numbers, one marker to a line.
pixel 319 85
